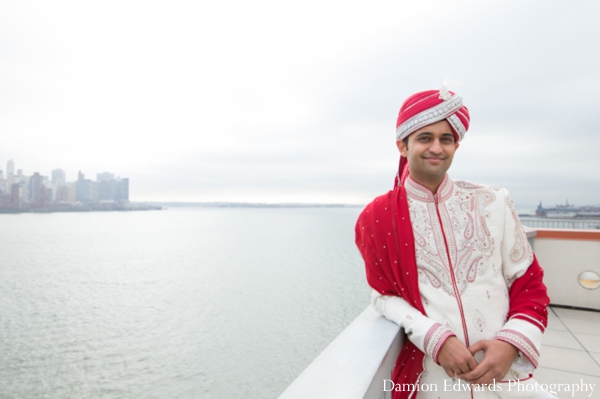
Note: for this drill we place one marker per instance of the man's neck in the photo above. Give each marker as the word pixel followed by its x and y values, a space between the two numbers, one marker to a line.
pixel 430 184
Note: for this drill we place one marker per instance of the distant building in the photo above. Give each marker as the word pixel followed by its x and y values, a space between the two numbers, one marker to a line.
pixel 36 189
pixel 10 173
pixel 72 187
pixel 567 211
pixel 62 194
pixel 112 188
pixel 59 178
pixel 95 191
pixel 16 194
pixel 23 181
pixel 108 190
pixel 124 189
pixel 84 190
pixel 105 176
pixel 3 184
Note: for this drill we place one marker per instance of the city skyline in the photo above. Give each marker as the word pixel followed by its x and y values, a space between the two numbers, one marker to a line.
pixel 276 102
pixel 22 192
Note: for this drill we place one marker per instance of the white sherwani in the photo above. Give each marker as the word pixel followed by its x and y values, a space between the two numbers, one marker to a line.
pixel 470 246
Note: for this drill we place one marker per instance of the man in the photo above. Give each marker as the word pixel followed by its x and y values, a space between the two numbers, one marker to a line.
pixel 450 263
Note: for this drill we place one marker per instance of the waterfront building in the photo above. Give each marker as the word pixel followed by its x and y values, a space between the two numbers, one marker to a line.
pixel 62 194
pixel 3 185
pixel 10 173
pixel 112 188
pixel 36 189
pixel 16 194
pixel 84 190
pixel 124 190
pixel 568 211
pixel 59 178
pixel 72 189
pixel 108 190
pixel 4 200
pixel 95 191
pixel 105 176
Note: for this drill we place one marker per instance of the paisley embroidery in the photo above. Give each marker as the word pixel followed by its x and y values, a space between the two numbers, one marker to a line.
pixel 468 234
pixel 432 279
pixel 472 271
pixel 463 233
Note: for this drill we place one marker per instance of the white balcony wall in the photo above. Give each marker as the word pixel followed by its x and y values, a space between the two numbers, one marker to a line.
pixel 563 259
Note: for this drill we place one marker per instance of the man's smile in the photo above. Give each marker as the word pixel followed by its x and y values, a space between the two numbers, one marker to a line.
pixel 434 159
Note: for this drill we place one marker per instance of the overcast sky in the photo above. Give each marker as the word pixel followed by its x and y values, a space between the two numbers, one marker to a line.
pixel 281 101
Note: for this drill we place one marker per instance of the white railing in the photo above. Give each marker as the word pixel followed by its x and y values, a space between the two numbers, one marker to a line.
pixel 355 364
pixel 561 223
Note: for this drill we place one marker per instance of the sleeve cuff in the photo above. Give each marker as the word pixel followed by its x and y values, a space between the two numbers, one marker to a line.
pixel 526 336
pixel 436 338
pixel 522 343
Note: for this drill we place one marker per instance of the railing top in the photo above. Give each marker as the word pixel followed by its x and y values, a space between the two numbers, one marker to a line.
pixel 568 234
pixel 530 232
pixel 346 368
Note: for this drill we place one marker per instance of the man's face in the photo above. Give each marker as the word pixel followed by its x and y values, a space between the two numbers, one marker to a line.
pixel 430 151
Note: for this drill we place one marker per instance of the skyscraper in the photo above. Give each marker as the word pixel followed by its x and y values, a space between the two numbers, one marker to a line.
pixel 3 186
pixel 36 189
pixel 59 177
pixel 10 167
pixel 124 191
pixel 10 173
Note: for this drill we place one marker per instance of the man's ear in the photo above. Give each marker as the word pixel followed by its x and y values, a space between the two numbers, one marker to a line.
pixel 402 148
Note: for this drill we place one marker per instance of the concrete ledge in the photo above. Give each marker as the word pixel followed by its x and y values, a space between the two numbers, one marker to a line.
pixel 354 365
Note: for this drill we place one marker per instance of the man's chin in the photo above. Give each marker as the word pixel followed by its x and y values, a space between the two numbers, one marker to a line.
pixel 436 170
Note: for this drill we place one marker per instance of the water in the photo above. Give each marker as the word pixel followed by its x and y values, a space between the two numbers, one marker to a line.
pixel 183 303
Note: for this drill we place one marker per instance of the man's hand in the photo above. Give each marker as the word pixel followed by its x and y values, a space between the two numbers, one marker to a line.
pixel 455 358
pixel 498 358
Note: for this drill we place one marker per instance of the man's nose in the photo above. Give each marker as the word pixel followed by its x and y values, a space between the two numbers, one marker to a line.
pixel 436 147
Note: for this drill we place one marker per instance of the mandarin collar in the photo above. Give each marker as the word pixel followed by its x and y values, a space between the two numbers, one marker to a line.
pixel 421 193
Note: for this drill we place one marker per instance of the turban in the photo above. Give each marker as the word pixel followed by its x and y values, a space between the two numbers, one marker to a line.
pixel 431 106
pixel 427 107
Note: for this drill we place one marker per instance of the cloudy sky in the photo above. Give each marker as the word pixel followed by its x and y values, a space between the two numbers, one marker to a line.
pixel 281 101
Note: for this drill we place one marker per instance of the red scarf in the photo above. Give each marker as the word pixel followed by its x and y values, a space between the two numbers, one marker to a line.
pixel 385 239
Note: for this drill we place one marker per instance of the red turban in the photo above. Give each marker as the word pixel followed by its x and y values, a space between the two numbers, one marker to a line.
pixel 427 107
pixel 431 106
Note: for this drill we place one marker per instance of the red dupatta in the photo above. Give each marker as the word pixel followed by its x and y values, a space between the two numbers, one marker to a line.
pixel 385 240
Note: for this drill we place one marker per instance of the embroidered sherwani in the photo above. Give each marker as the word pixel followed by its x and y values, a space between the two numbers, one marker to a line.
pixel 469 247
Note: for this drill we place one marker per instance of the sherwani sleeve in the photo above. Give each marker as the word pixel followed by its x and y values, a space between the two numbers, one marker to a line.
pixel 523 332
pixel 426 334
